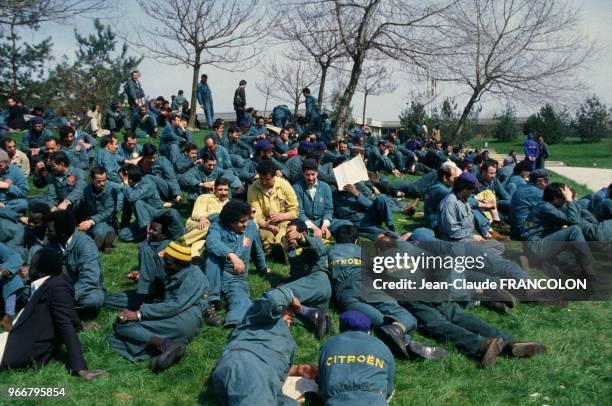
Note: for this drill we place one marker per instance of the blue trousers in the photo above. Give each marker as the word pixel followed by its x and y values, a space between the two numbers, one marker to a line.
pixel 377 312
pixel 208 113
pixel 238 295
pixel 313 290
pixel 446 321
pixel 378 213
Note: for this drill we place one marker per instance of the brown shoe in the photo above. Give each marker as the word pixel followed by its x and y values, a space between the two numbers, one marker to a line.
pixel 494 235
pixel 525 349
pixel 134 276
pixel 490 350
pixel 7 322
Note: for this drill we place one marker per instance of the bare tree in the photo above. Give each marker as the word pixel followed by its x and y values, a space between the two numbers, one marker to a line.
pixel 512 48
pixel 222 33
pixel 35 12
pixel 289 77
pixel 266 87
pixel 375 80
pixel 397 30
pixel 313 35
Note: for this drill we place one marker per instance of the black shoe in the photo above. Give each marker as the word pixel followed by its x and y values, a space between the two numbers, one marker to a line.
pixel 211 317
pixel 420 350
pixel 394 337
pixel 172 353
pixel 318 318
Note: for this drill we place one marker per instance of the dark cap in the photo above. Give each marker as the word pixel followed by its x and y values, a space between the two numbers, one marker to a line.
pixel 352 320
pixel 538 174
pixel 37 120
pixel 468 178
pixel 263 145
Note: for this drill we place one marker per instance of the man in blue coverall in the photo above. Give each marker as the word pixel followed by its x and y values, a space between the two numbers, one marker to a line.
pixel 355 367
pixel 393 321
pixel 205 99
pixel 257 359
pixel 160 330
pixel 81 260
pixel 231 241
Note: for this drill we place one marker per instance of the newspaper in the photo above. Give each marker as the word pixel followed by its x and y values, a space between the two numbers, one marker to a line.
pixel 296 387
pixel 351 172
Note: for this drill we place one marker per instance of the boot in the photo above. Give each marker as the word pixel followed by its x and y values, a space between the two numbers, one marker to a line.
pixel 393 335
pixel 524 349
pixel 489 352
pixel 169 353
pixel 211 317
pixel 318 318
pixel 108 242
pixel 494 235
pixel 420 350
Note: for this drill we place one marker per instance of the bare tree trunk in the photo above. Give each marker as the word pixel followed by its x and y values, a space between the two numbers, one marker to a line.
pixel 322 86
pixel 14 66
pixel 347 96
pixel 365 99
pixel 266 105
pixel 466 113
pixel 296 104
pixel 194 89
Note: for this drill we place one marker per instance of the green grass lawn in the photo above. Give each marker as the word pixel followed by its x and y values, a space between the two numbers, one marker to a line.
pixel 572 151
pixel 577 370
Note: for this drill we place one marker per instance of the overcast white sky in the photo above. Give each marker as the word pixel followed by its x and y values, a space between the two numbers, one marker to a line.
pixel 161 79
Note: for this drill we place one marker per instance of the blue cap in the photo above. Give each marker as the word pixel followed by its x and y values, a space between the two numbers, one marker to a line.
pixel 263 145
pixel 468 178
pixel 115 104
pixel 468 160
pixel 37 120
pixel 357 137
pixel 243 122
pixel 353 320
pixel 321 145
pixel 383 142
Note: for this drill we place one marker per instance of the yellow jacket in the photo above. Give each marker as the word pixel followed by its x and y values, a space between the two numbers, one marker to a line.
pixel 280 199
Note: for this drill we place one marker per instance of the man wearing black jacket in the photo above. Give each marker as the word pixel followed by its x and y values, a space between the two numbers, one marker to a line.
pixel 48 318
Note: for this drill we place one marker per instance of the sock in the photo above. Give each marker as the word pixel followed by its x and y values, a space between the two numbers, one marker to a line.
pixel 495 215
pixel 9 305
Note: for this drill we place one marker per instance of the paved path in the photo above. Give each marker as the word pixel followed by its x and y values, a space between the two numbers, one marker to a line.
pixel 592 178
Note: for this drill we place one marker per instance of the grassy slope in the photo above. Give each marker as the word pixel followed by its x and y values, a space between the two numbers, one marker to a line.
pixel 577 369
pixel 572 152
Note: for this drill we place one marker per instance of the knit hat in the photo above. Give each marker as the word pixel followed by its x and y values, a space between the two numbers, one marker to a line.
pixel 352 320
pixel 178 251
